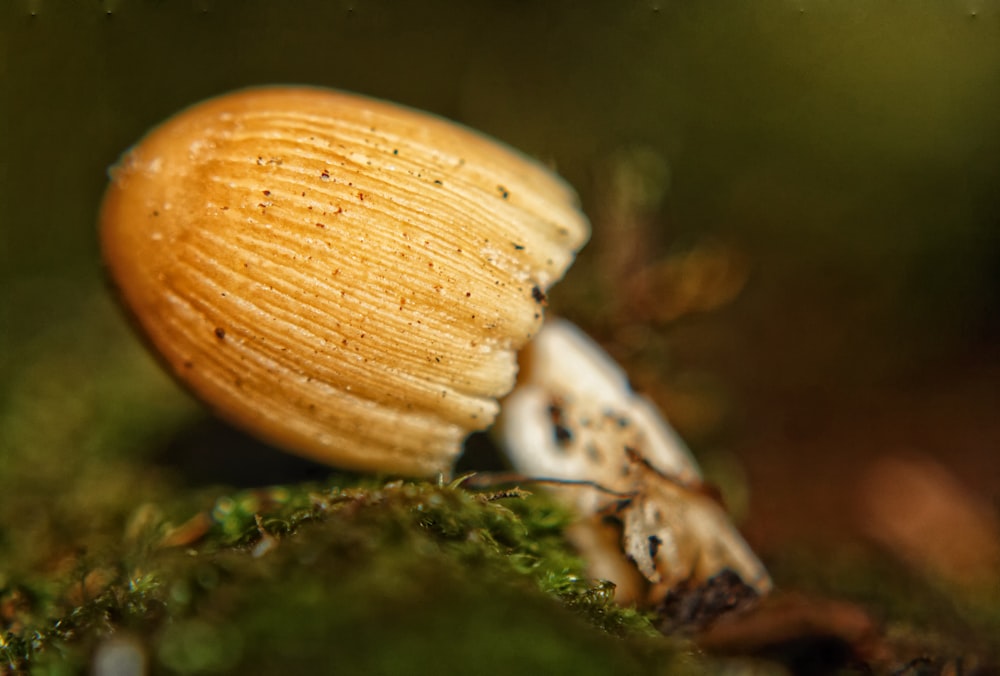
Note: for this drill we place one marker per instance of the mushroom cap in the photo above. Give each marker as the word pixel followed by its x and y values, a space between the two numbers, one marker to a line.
pixel 344 277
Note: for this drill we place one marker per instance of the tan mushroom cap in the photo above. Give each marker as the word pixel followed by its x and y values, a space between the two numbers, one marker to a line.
pixel 344 277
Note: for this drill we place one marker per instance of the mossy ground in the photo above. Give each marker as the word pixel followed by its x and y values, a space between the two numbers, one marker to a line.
pixel 372 577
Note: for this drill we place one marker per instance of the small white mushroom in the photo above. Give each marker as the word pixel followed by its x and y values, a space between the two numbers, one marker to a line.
pixel 573 419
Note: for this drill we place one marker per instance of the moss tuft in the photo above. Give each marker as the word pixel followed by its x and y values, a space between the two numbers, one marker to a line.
pixel 383 576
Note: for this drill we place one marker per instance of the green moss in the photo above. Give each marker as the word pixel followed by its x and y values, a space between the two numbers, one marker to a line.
pixel 375 577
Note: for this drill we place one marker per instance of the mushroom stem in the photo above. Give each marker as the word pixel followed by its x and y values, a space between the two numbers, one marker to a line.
pixel 573 418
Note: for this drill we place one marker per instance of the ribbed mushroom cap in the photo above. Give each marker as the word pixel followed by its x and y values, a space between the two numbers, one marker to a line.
pixel 344 277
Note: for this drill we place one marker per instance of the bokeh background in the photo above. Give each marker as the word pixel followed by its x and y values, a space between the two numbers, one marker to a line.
pixel 796 251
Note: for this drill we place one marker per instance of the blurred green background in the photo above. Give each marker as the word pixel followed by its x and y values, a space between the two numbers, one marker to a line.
pixel 846 154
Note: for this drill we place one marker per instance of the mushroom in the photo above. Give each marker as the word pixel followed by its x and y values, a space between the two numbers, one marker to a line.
pixel 344 277
pixel 352 280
